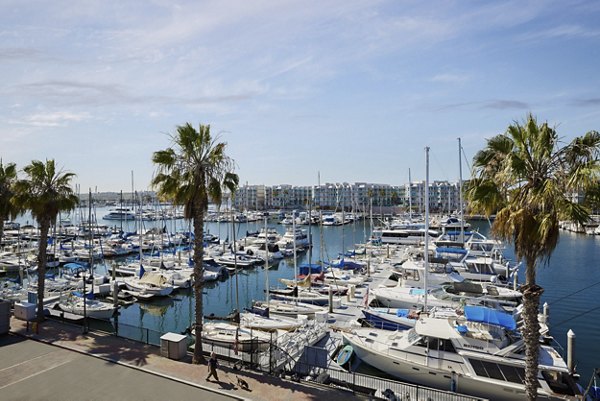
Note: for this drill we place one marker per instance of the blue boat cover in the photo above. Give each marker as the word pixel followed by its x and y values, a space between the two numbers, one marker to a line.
pixel 490 316
pixel 402 312
pixel 306 269
pixel 467 233
pixel 74 267
pixel 90 295
pixel 450 250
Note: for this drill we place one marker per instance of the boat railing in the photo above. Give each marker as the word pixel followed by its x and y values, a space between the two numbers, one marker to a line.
pixel 332 375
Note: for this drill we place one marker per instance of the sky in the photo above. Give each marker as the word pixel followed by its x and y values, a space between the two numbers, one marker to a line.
pixel 302 91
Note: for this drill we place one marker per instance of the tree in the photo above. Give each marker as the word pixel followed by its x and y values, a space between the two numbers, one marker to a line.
pixel 45 192
pixel 8 177
pixel 526 177
pixel 191 172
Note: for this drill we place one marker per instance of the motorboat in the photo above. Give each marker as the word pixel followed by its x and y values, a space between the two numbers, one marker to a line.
pixel 398 318
pixel 450 295
pixel 289 308
pixel 482 351
pixel 291 238
pixel 300 295
pixel 120 213
pixel 439 271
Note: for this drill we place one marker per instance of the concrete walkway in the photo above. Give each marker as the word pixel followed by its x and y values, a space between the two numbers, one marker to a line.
pixel 57 366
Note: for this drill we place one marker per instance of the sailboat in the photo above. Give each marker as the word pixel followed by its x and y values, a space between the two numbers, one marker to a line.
pixel 77 304
pixel 259 318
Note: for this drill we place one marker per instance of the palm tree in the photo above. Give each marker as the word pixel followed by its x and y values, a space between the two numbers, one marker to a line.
pixel 45 193
pixel 190 173
pixel 527 177
pixel 8 177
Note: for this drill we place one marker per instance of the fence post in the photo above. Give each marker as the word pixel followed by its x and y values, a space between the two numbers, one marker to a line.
pixel 270 351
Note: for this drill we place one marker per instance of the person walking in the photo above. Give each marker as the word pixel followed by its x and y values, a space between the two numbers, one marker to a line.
pixel 212 366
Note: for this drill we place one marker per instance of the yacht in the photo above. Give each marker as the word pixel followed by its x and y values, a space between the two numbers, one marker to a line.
pixel 481 351
pixel 299 237
pixel 413 234
pixel 448 296
pixel 119 213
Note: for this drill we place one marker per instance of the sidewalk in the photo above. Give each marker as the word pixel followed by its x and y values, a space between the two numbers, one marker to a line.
pixel 147 359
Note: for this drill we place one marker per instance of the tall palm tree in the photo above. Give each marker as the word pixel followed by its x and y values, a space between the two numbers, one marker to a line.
pixel 45 192
pixel 191 172
pixel 527 177
pixel 8 177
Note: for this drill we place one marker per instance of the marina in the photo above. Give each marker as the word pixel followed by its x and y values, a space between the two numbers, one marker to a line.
pixel 147 318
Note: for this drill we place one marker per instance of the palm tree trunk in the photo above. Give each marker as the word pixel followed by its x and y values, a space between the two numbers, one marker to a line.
pixel 198 281
pixel 531 331
pixel 42 259
pixel 1 228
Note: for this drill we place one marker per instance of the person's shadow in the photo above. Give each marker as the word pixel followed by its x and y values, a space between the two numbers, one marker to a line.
pixel 226 385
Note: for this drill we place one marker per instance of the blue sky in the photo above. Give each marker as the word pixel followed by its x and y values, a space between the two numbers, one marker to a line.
pixel 352 89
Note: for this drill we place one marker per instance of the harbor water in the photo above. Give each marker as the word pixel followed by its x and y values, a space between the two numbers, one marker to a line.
pixel 571 282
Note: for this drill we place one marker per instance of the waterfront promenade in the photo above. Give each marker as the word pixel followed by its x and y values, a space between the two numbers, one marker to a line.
pixel 61 363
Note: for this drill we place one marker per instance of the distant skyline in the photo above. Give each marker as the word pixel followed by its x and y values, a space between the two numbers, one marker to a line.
pixel 352 89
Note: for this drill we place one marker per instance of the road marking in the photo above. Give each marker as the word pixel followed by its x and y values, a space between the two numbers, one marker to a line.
pixel 28 369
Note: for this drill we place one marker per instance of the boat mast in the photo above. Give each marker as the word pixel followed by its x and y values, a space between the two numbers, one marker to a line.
pixel 234 250
pixel 267 263
pixel 460 195
pixel 295 260
pixel 409 197
pixel 133 196
pixel 426 259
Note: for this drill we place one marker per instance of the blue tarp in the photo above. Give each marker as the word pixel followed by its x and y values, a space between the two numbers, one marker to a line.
pixel 490 316
pixel 467 233
pixel 345 265
pixel 74 267
pixel 90 295
pixel 307 269
pixel 450 250
pixel 402 312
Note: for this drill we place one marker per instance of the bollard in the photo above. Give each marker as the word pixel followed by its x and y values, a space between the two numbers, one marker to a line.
pixel 571 351
pixel 115 293
pixel 545 312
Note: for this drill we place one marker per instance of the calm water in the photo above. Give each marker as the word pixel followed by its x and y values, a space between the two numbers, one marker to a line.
pixel 571 282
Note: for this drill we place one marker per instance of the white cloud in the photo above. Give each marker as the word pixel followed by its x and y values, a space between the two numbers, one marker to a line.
pixel 53 119
pixel 561 31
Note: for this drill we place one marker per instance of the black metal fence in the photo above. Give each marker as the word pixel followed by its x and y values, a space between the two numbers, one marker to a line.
pixel 309 366
pixel 312 365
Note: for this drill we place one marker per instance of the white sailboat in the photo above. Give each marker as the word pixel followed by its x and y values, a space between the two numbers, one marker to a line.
pixel 93 308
